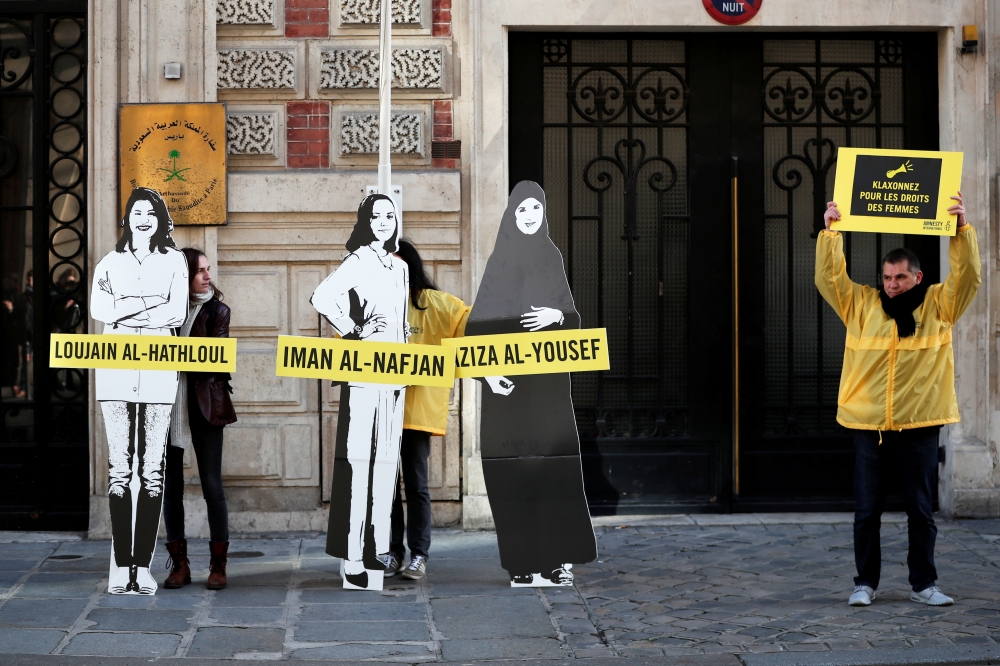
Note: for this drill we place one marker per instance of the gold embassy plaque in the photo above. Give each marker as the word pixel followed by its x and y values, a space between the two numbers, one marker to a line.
pixel 179 150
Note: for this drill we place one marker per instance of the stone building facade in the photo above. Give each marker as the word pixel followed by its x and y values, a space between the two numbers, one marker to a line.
pixel 299 81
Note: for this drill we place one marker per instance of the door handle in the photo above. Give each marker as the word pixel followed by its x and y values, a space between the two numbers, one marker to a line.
pixel 736 324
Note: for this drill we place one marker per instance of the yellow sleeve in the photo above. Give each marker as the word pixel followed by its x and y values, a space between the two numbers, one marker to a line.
pixel 832 280
pixel 963 280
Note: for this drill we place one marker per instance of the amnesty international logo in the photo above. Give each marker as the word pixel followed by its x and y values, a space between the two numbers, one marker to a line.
pixel 179 150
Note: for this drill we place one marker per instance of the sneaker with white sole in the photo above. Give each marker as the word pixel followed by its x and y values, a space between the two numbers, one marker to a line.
pixel 416 569
pixel 393 564
pixel 932 596
pixel 862 596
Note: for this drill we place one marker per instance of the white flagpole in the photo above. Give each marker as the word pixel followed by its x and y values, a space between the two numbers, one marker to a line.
pixel 385 98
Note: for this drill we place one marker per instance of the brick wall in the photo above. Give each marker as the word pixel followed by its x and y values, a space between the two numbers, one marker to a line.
pixel 308 135
pixel 441 18
pixel 308 18
pixel 443 136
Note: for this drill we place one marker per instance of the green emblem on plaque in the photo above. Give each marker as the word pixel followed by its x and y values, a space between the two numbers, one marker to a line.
pixel 174 173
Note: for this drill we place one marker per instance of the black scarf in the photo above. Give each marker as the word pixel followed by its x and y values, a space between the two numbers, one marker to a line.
pixel 901 308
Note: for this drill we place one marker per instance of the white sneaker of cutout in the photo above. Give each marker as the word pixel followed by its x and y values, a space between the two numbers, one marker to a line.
pixel 118 580
pixel 862 596
pixel 147 585
pixel 932 596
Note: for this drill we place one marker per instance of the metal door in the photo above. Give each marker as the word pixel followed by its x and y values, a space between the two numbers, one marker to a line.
pixel 685 178
pixel 44 443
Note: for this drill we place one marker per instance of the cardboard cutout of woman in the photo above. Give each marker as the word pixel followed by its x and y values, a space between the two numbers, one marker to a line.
pixel 530 445
pixel 140 288
pixel 366 299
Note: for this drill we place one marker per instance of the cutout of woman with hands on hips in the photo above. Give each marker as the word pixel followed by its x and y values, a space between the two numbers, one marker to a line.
pixel 140 288
pixel 530 445
pixel 366 299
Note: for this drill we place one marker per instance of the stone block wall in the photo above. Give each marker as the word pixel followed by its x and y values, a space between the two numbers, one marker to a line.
pixel 300 81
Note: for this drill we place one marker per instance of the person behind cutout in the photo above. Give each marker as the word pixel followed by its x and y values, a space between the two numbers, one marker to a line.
pixel 530 445
pixel 140 288
pixel 366 299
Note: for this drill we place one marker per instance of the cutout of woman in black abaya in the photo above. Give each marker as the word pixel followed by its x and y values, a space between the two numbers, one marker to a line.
pixel 530 445
pixel 366 299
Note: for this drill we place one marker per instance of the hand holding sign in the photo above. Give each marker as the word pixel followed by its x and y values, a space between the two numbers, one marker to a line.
pixel 540 318
pixel 959 209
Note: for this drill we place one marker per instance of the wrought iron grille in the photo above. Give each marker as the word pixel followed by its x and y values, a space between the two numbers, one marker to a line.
pixel 818 95
pixel 615 172
pixel 44 439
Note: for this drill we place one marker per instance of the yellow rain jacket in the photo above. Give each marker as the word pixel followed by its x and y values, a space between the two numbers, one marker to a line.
pixel 427 406
pixel 888 383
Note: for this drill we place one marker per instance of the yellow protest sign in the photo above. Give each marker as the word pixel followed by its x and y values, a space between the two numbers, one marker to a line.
pixel 573 350
pixel 361 362
pixel 896 191
pixel 142 352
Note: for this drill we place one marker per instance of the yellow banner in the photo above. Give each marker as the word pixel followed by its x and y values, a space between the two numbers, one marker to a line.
pixel 547 352
pixel 896 191
pixel 363 362
pixel 142 352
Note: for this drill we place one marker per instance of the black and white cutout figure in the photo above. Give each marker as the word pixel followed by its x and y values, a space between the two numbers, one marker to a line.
pixel 530 445
pixel 140 288
pixel 366 299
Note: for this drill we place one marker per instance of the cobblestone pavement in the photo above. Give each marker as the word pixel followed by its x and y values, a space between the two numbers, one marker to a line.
pixel 661 587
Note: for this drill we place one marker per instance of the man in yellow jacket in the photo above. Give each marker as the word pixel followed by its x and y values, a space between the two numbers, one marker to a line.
pixel 897 389
pixel 432 315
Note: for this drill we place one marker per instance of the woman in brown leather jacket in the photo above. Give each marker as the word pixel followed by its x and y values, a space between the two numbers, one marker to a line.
pixel 203 408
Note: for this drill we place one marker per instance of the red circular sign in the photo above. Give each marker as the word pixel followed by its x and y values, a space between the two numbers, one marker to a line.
pixel 732 12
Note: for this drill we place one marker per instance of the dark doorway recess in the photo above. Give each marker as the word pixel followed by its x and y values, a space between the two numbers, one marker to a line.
pixel 44 470
pixel 656 152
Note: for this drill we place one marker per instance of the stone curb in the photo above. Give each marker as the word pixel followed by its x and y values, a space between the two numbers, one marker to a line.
pixel 935 656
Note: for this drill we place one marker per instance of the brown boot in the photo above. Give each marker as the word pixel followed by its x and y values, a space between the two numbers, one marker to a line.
pixel 180 567
pixel 217 568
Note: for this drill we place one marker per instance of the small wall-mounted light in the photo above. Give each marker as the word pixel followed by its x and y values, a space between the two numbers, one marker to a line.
pixel 172 70
pixel 970 38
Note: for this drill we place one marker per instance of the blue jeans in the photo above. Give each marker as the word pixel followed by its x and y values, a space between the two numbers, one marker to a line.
pixel 912 457
pixel 413 453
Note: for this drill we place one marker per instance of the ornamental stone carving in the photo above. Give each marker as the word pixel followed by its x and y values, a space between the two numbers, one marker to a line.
pixel 359 133
pixel 368 11
pixel 245 12
pixel 250 133
pixel 358 68
pixel 256 68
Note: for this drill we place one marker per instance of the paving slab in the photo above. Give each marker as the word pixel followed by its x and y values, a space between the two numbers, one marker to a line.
pixel 362 631
pixel 502 648
pixel 41 612
pixel 227 642
pixel 355 652
pixel 120 645
pixel 29 641
pixel 491 617
pixel 123 619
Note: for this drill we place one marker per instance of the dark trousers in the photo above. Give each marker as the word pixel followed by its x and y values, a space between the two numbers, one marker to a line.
pixel 413 453
pixel 912 457
pixel 207 441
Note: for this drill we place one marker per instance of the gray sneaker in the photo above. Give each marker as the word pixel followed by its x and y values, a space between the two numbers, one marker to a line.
pixel 862 596
pixel 416 569
pixel 392 565
pixel 932 596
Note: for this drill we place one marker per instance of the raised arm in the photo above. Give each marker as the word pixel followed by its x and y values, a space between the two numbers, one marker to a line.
pixel 963 279
pixel 832 281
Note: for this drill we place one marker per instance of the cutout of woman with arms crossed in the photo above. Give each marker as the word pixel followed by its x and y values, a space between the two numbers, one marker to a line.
pixel 366 299
pixel 140 288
